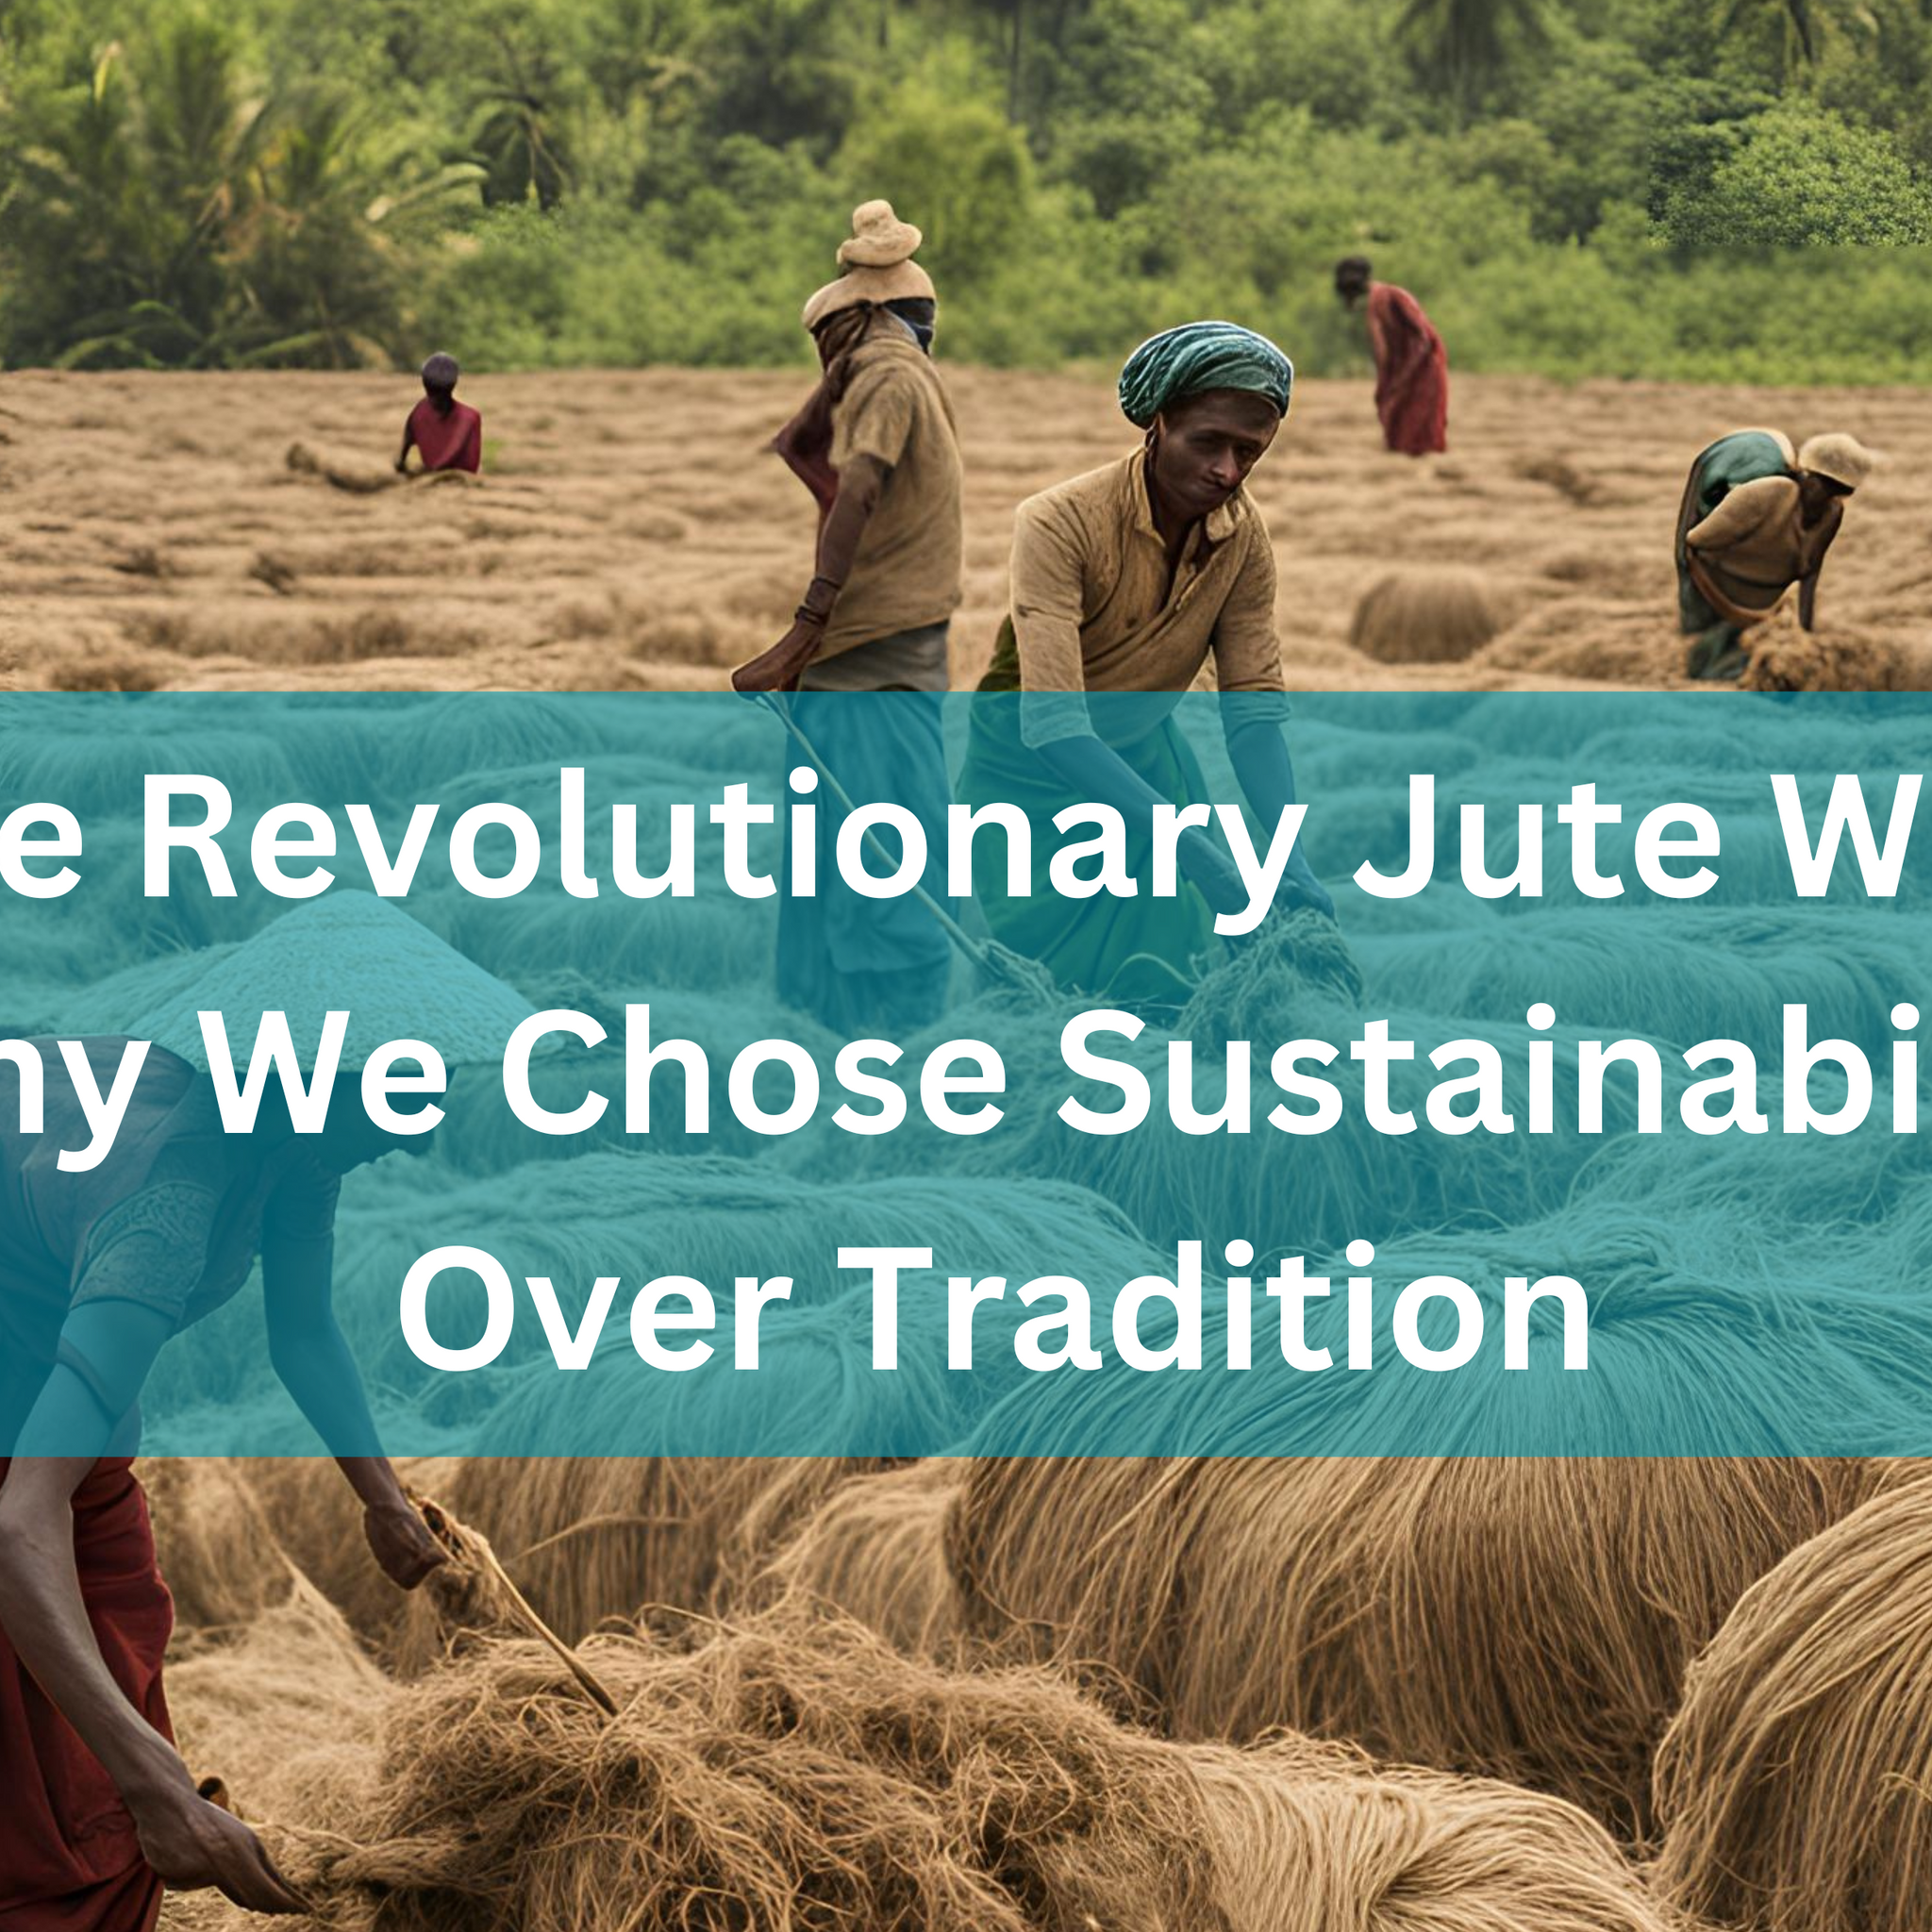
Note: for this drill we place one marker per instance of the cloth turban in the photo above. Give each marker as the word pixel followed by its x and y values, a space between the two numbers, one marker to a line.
pixel 1198 357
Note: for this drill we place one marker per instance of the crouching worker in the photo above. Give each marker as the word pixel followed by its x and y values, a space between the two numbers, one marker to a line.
pixel 99 1270
pixel 448 434
pixel 1126 581
pixel 1757 519
pixel 877 445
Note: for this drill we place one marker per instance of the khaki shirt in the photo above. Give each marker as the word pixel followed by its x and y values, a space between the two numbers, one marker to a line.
pixel 909 567
pixel 1094 610
pixel 1754 546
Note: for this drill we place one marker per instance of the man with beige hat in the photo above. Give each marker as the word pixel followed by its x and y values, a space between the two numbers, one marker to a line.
pixel 1757 518
pixel 878 447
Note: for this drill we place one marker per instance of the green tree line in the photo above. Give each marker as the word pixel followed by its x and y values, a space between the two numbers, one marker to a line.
pixel 1709 189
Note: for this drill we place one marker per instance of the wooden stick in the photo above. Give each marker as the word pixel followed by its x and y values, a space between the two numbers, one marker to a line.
pixel 473 1552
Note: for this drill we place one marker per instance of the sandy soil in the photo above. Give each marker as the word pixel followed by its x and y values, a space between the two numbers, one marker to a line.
pixel 631 532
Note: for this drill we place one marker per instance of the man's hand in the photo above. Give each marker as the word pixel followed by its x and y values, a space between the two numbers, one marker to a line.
pixel 401 1543
pixel 194 1845
pixel 783 665
pixel 1211 872
pixel 1302 887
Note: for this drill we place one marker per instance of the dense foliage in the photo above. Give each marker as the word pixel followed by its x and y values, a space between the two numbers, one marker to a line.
pixel 1714 189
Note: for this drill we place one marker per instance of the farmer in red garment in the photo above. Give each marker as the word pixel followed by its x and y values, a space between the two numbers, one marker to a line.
pixel 448 433
pixel 1411 366
pixel 99 1267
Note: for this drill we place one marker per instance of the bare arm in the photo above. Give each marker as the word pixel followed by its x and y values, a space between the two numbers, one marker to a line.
pixel 188 1842
pixel 1807 584
pixel 860 484
pixel 409 440
pixel 311 1356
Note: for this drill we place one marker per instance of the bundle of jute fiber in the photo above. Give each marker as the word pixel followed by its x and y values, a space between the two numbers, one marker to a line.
pixel 1309 1837
pixel 1436 615
pixel 217 1548
pixel 359 475
pixel 1641 971
pixel 1786 657
pixel 286 1714
pixel 1587 639
pixel 787 1772
pixel 1796 1784
pixel 876 1550
pixel 591 1537
pixel 1069 1558
pixel 1525 1618
pixel 364 475
pixel 1261 992
pixel 317 1520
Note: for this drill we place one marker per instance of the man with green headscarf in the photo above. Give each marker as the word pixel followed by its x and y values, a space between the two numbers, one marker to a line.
pixel 1130 581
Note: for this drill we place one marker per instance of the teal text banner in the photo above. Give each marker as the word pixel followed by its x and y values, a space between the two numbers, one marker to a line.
pixel 659 1075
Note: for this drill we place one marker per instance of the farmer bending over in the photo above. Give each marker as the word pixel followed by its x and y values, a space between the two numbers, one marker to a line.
pixel 99 1270
pixel 449 434
pixel 1756 519
pixel 876 446
pixel 1130 580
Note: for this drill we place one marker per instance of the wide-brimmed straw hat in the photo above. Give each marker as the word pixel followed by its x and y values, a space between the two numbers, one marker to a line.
pixel 879 265
pixel 347 952
pixel 879 238
pixel 1841 458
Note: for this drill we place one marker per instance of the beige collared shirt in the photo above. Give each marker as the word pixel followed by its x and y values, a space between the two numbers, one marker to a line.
pixel 1095 607
pixel 909 567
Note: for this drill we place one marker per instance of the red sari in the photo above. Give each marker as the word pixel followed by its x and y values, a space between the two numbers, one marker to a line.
pixel 69 1858
pixel 1411 372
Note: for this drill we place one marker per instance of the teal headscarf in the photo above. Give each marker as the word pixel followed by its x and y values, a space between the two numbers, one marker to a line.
pixel 1201 356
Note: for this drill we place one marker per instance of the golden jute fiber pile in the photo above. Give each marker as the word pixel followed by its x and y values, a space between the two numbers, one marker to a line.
pixel 585 1538
pixel 227 1530
pixel 1311 1838
pixel 1434 616
pixel 785 1773
pixel 1795 1785
pixel 1786 657
pixel 876 1550
pixel 1521 1618
pixel 218 1546
pixel 285 1713
pixel 794 1772
pixel 589 1538
pixel 365 475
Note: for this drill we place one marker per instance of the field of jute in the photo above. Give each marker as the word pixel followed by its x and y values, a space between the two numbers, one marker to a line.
pixel 632 532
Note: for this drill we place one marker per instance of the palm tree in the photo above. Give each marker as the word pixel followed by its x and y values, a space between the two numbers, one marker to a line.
pixel 1805 26
pixel 1463 46
pixel 321 263
pixel 160 216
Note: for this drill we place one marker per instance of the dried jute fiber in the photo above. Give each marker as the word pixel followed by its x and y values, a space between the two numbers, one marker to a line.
pixel 1423 616
pixel 1795 1785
